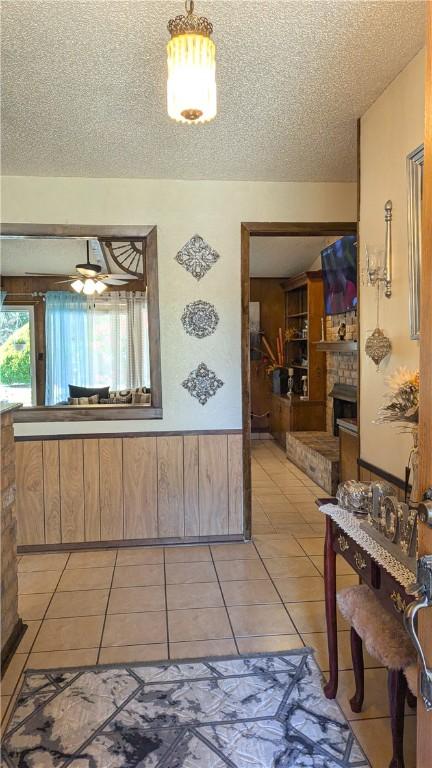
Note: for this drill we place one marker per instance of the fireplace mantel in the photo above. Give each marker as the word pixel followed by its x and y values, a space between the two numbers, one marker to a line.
pixel 343 347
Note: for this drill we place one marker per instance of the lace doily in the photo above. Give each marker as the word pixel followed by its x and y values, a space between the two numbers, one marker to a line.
pixel 351 525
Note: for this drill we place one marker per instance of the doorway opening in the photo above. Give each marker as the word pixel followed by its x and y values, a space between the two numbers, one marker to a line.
pixel 280 356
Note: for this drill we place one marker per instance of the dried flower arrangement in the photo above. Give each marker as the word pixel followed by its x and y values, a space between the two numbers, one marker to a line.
pixel 402 404
pixel 271 360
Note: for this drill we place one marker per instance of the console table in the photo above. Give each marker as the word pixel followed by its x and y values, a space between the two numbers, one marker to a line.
pixel 376 567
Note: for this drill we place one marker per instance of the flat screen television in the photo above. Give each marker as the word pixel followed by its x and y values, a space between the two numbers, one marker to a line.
pixel 339 266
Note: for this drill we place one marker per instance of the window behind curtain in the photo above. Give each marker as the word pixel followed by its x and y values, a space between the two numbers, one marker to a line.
pixel 105 343
pixel 118 341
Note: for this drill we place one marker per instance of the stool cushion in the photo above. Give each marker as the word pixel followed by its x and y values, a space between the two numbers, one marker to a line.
pixel 385 639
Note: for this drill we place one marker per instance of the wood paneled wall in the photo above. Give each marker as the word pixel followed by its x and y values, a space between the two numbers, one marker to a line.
pixel 269 293
pixel 114 489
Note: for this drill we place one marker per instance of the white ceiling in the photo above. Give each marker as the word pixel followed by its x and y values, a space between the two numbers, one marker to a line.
pixel 285 256
pixel 58 257
pixel 84 87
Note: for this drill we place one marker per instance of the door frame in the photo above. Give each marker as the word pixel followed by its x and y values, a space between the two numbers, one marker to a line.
pixel 266 229
pixel 424 718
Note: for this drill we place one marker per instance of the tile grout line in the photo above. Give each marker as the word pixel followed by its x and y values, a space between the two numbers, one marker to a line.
pixel 11 702
pixel 106 609
pixel 168 641
pixel 223 600
pixel 280 597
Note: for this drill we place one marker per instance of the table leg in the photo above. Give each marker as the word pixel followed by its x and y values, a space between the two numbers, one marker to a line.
pixel 330 689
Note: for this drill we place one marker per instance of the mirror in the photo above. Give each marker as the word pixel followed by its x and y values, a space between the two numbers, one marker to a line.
pixel 74 322
pixel 415 162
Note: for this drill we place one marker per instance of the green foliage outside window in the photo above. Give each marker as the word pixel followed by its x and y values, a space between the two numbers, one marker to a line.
pixel 15 357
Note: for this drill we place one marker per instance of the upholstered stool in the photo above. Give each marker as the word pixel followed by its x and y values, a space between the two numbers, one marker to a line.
pixel 386 640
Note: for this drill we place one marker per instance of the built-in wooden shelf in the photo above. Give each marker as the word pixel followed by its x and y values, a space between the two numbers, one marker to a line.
pixel 297 314
pixel 290 341
pixel 337 346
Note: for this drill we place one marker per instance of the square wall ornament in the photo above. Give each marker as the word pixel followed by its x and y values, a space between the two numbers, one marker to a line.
pixel 202 383
pixel 197 257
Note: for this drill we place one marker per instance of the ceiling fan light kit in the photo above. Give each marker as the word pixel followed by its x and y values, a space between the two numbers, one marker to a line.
pixel 191 55
pixel 90 278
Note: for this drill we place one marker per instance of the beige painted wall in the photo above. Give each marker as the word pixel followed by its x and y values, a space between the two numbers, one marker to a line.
pixel 180 209
pixel 390 129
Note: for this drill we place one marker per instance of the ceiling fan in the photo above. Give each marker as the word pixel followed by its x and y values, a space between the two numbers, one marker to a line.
pixel 95 281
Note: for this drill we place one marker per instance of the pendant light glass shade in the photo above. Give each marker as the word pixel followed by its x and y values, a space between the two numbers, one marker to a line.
pixel 191 86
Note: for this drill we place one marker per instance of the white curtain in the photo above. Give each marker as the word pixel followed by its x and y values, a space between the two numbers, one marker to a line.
pixel 118 340
pixel 67 360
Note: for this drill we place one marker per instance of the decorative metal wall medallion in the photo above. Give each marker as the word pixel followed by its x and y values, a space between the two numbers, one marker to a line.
pixel 200 319
pixel 197 257
pixel 202 383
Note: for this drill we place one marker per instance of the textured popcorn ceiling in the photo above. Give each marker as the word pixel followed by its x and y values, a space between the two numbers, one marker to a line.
pixel 84 87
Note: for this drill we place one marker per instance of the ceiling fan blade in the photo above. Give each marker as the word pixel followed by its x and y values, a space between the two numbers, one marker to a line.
pixel 42 274
pixel 124 278
pixel 112 281
pixel 60 282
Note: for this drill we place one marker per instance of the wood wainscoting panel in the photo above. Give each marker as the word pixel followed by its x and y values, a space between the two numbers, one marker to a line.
pixel 114 489
pixel 30 493
pixel 51 473
pixel 111 488
pixel 170 486
pixel 190 480
pixel 92 520
pixel 235 483
pixel 140 487
pixel 213 484
pixel 71 490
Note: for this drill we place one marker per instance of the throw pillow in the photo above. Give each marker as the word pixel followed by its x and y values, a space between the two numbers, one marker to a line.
pixel 92 400
pixel 138 398
pixel 75 391
pixel 116 400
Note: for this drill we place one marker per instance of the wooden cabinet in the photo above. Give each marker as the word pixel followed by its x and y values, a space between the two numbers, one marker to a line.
pixel 295 415
pixel 304 310
pixel 348 449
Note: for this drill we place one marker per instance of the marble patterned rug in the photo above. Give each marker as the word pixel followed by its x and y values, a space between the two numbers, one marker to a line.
pixel 245 712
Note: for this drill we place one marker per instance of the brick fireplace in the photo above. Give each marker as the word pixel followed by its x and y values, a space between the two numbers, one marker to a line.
pixel 342 368
pixel 317 453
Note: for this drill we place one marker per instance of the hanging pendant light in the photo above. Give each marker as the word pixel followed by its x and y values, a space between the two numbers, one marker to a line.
pixel 191 87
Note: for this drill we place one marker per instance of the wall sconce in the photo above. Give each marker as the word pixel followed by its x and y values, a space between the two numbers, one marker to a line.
pixel 379 263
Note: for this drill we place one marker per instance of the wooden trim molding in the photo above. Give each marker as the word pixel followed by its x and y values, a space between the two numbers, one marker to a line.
pixel 292 229
pixel 119 543
pixel 387 476
pixel 424 718
pixel 43 413
pixel 154 321
pixel 147 433
pixel 46 231
pixel 12 644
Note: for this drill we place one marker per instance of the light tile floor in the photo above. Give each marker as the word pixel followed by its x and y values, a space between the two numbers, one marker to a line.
pixel 144 604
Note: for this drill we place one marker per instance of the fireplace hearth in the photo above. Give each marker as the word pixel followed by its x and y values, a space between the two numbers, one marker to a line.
pixel 344 403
